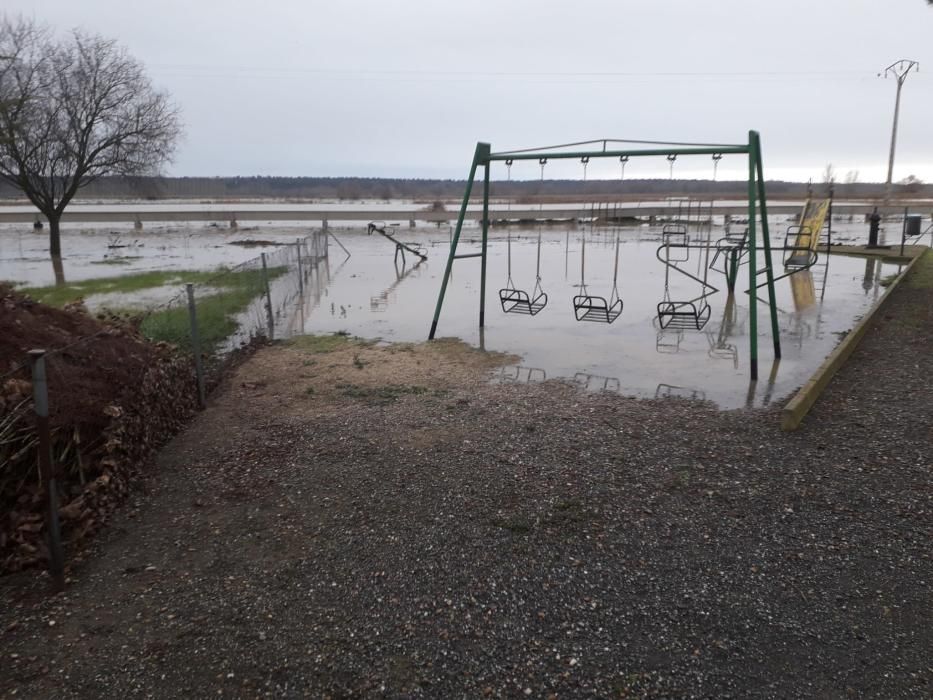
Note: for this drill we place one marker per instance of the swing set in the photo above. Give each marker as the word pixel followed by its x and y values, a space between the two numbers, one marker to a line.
pixel 589 307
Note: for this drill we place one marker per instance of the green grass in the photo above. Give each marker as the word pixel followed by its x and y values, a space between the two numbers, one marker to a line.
pixel 215 312
pixel 921 277
pixel 320 344
pixel 888 280
pixel 63 294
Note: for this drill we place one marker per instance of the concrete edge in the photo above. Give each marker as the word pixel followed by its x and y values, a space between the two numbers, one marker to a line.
pixel 798 407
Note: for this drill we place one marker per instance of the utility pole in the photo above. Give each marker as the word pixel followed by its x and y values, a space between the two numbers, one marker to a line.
pixel 899 69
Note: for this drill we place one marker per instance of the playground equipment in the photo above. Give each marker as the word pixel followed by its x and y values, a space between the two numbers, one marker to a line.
pixel 400 248
pixel 517 301
pixel 589 307
pixel 692 313
pixel 757 203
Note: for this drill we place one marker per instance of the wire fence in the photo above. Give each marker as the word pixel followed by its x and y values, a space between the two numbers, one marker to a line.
pixel 63 400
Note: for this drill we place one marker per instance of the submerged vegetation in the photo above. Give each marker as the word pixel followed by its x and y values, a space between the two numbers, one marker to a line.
pixel 223 294
pixel 227 295
pixel 59 295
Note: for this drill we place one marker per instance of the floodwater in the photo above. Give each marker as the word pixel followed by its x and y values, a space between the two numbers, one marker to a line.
pixel 372 295
pixel 108 252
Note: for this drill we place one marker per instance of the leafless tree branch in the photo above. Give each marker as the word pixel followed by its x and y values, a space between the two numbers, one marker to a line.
pixel 73 110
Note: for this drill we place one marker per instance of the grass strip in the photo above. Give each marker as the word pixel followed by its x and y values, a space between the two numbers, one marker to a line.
pixel 216 311
pixel 59 295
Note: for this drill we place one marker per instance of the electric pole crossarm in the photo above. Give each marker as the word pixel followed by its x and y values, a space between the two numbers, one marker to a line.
pixel 900 70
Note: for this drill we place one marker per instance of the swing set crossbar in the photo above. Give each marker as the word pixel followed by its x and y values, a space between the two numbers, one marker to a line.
pixel 617 153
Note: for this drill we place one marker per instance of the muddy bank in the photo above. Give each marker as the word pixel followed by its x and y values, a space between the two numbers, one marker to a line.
pixel 113 398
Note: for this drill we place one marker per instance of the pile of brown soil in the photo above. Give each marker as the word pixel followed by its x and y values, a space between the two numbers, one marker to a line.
pixel 113 397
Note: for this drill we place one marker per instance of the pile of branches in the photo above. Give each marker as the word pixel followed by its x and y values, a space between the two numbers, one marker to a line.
pixel 113 398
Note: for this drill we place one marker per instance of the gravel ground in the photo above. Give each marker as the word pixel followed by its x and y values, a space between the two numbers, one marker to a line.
pixel 373 521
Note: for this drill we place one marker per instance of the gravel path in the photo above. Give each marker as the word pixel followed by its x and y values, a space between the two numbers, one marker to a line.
pixel 379 522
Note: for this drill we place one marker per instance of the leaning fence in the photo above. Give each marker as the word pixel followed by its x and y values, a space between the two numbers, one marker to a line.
pixel 260 298
pixel 52 452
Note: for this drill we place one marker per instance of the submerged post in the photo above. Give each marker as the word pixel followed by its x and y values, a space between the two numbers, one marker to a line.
pixel 766 241
pixel 480 155
pixel 301 280
pixel 196 345
pixel 40 397
pixel 270 319
pixel 482 273
pixel 752 265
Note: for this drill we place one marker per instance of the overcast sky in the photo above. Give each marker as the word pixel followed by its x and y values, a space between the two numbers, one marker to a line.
pixel 406 87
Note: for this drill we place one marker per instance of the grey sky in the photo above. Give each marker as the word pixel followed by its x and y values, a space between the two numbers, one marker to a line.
pixel 406 88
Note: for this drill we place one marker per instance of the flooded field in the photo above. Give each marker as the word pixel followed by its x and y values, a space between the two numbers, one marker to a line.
pixel 107 252
pixel 372 294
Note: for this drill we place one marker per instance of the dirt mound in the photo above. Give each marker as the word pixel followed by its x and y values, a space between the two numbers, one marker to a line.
pixel 113 397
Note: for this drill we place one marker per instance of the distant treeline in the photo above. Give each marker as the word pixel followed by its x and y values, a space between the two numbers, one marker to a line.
pixel 354 188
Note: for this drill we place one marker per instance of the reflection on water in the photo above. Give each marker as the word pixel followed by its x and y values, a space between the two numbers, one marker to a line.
pixel 519 374
pixel 594 382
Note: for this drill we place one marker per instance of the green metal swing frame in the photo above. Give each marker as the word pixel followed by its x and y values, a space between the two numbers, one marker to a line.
pixel 757 202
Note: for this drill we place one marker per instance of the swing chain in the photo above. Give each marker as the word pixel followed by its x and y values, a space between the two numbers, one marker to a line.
pixel 716 158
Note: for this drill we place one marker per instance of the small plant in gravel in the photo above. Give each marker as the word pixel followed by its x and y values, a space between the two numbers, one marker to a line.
pixel 320 344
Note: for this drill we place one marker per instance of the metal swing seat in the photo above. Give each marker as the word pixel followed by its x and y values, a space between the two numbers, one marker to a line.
pixel 590 307
pixel 799 248
pixel 681 314
pixel 518 301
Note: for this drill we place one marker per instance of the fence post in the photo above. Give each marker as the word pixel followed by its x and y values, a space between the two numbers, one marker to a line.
pixel 265 282
pixel 301 281
pixel 196 345
pixel 40 396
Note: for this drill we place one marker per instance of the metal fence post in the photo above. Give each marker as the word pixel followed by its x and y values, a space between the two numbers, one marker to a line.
pixel 301 281
pixel 40 395
pixel 196 345
pixel 265 281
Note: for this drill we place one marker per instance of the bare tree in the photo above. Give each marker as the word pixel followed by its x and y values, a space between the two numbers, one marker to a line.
pixel 74 110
